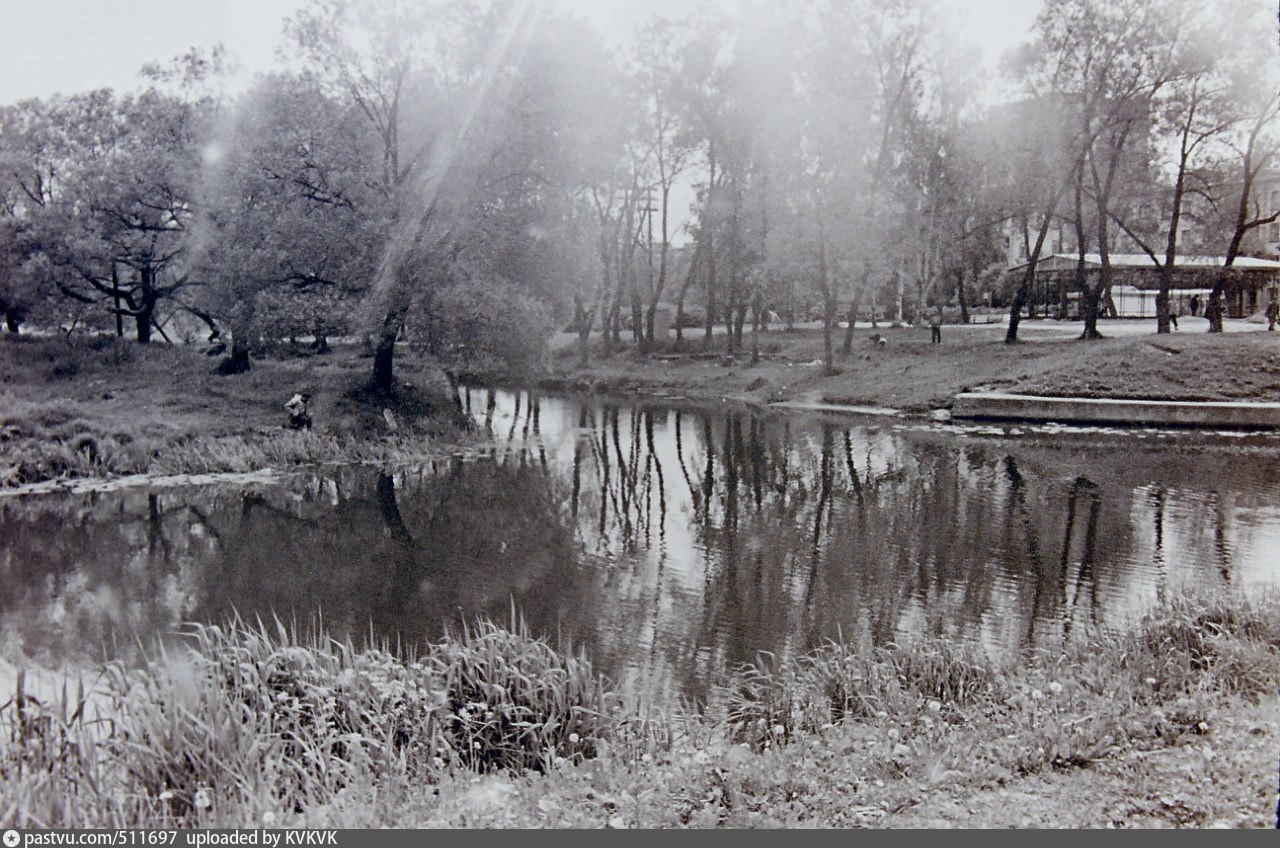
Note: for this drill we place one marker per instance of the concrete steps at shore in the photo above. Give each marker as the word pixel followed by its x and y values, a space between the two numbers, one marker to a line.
pixel 1014 407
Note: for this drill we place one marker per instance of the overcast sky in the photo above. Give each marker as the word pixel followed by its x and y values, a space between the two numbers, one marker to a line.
pixel 49 46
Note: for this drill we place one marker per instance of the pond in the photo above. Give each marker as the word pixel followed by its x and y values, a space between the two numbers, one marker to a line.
pixel 669 540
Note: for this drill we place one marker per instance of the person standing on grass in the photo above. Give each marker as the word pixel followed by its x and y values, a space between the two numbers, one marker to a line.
pixel 935 327
pixel 1214 313
pixel 1273 312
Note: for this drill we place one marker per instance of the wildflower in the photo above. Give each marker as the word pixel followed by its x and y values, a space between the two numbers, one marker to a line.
pixel 934 706
pixel 778 730
pixel 560 761
pixel 893 734
pixel 645 758
pixel 1151 681
pixel 573 738
pixel 1037 695
pixel 475 746
pixel 166 795
pixel 202 800
pixel 1055 687
pixel 268 818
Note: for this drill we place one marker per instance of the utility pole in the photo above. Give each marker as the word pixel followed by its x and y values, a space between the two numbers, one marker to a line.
pixel 649 209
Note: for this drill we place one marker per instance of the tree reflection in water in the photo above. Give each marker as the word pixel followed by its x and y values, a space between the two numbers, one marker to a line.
pixel 670 541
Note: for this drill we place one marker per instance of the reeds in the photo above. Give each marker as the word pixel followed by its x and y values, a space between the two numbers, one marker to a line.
pixel 249 720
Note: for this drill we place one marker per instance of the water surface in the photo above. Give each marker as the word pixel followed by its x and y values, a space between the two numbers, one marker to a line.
pixel 669 540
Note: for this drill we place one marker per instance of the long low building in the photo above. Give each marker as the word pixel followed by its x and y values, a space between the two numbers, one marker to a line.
pixel 1247 284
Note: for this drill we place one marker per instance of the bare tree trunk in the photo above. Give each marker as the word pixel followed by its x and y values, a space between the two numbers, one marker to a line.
pixel 755 329
pixel 384 384
pixel 637 317
pixel 583 319
pixel 115 297
pixel 1163 320
pixel 662 264
pixel 828 302
pixel 709 227
pixel 145 307
pixel 1102 199
pixel 684 291
pixel 1023 291
pixel 143 321
pixel 850 318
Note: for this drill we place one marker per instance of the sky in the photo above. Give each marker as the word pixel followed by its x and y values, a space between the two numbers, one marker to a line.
pixel 65 46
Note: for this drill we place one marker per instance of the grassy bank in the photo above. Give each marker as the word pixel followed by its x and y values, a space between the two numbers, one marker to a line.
pixel 1172 722
pixel 909 373
pixel 106 407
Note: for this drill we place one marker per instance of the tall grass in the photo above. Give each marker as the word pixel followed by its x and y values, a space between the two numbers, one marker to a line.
pixel 1187 648
pixel 250 720
pixel 768 703
pixel 53 439
pixel 245 723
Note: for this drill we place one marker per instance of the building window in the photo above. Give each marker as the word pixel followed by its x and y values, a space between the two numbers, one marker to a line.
pixel 1273 232
pixel 1275 199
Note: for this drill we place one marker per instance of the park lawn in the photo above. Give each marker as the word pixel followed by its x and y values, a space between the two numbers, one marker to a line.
pixel 910 374
pixel 103 407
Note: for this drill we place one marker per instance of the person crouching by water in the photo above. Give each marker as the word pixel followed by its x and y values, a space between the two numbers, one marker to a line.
pixel 299 415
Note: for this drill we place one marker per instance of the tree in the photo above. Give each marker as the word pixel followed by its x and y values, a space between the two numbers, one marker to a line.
pixel 658 67
pixel 1104 63
pixel 1192 111
pixel 109 189
pixel 295 217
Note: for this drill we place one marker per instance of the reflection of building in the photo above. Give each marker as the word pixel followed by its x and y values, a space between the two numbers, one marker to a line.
pixel 1136 279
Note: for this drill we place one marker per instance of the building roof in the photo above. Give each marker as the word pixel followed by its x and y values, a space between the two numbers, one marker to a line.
pixel 1061 261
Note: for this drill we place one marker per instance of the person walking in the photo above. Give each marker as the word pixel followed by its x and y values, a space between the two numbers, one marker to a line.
pixel 1273 312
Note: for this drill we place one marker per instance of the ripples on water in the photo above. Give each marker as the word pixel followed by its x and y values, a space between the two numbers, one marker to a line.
pixel 669 541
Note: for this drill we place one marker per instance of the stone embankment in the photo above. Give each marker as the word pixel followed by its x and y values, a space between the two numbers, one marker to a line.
pixel 1016 407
